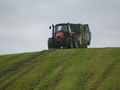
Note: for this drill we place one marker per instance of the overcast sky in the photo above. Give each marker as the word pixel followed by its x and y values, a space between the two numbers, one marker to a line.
pixel 24 23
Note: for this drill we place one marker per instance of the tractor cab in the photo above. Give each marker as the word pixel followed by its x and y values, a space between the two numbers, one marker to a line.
pixel 61 28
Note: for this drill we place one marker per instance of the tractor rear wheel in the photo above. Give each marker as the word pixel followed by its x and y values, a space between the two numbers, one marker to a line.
pixel 69 43
pixel 75 44
pixel 50 43
pixel 57 45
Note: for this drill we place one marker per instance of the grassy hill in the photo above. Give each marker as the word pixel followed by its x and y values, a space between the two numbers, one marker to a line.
pixel 69 69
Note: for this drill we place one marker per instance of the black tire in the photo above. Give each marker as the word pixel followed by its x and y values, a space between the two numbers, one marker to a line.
pixel 78 43
pixel 50 43
pixel 57 45
pixel 83 46
pixel 75 44
pixel 69 43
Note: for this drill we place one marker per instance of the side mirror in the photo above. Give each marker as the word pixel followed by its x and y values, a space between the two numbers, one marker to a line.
pixel 49 27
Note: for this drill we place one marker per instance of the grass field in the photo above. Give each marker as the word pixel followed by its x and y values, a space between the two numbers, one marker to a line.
pixel 69 69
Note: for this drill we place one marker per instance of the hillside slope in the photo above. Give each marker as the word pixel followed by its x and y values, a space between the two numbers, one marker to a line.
pixel 69 69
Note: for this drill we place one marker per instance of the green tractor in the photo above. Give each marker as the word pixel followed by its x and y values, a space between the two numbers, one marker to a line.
pixel 68 35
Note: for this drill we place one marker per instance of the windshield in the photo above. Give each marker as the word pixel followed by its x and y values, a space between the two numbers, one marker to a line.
pixel 61 28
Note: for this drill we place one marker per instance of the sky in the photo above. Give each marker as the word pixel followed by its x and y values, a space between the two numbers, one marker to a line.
pixel 24 23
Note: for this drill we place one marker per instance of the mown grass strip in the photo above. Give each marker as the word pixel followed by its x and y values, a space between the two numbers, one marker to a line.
pixel 59 71
pixel 52 77
pixel 19 66
pixel 21 72
pixel 7 62
pixel 40 71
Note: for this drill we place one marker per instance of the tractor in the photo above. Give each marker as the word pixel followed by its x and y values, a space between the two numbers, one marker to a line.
pixel 68 35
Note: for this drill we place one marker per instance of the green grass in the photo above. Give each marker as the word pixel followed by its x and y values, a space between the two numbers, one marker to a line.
pixel 68 69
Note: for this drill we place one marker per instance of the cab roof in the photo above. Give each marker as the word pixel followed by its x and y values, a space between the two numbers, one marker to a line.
pixel 67 24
